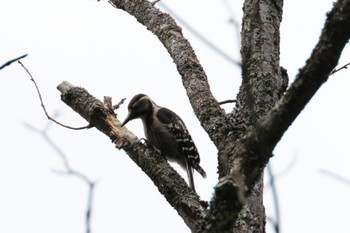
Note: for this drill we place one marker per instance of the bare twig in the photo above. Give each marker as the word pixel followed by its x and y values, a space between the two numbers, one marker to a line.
pixel 277 223
pixel 199 36
pixel 116 106
pixel 91 186
pixel 232 20
pixel 69 171
pixel 284 170
pixel 89 207
pixel 273 223
pixel 227 102
pixel 43 106
pixel 12 61
pixel 154 2
pixel 335 176
pixel 107 101
pixel 343 67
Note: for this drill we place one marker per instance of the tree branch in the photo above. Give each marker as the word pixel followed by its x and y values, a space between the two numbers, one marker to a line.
pixel 12 61
pixel 335 176
pixel 263 83
pixel 168 181
pixel 43 105
pixel 69 171
pixel 255 148
pixel 202 38
pixel 339 69
pixel 206 107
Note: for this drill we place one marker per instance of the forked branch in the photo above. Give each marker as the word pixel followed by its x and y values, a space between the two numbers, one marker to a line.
pixel 194 79
pixel 262 139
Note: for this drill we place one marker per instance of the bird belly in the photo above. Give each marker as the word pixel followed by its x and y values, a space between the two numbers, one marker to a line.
pixel 167 146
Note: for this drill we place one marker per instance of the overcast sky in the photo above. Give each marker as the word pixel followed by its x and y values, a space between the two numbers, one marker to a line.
pixel 106 51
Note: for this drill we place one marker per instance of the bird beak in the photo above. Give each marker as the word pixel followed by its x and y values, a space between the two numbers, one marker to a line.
pixel 127 119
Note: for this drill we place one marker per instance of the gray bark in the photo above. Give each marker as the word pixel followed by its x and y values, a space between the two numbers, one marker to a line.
pixel 244 138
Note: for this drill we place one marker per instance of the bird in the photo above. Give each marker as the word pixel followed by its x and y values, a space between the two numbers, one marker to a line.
pixel 167 133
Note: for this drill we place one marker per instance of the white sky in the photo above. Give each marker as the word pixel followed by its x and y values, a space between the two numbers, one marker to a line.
pixel 106 51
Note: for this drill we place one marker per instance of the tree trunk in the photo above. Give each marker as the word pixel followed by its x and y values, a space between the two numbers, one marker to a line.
pixel 262 85
pixel 246 137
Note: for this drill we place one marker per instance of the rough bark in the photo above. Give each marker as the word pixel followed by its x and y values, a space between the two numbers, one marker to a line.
pixel 211 116
pixel 268 130
pixel 262 85
pixel 246 137
pixel 166 179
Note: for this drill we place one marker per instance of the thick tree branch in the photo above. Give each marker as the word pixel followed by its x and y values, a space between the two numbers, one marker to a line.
pixel 168 181
pixel 262 139
pixel 255 148
pixel 263 82
pixel 206 107
pixel 319 66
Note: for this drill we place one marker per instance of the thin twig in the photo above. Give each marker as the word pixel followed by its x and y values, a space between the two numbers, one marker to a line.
pixel 91 186
pixel 12 61
pixel 227 102
pixel 276 224
pixel 116 106
pixel 335 176
pixel 286 169
pixel 89 207
pixel 43 106
pixel 343 67
pixel 107 102
pixel 154 2
pixel 199 36
pixel 233 21
pixel 69 171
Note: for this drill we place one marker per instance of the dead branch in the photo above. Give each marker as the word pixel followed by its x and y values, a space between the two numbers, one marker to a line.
pixel 43 106
pixel 169 182
pixel 12 61
pixel 227 102
pixel 68 170
pixel 342 67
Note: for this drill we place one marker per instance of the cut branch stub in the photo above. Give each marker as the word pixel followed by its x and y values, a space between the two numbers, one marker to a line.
pixel 96 113
pixel 225 205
